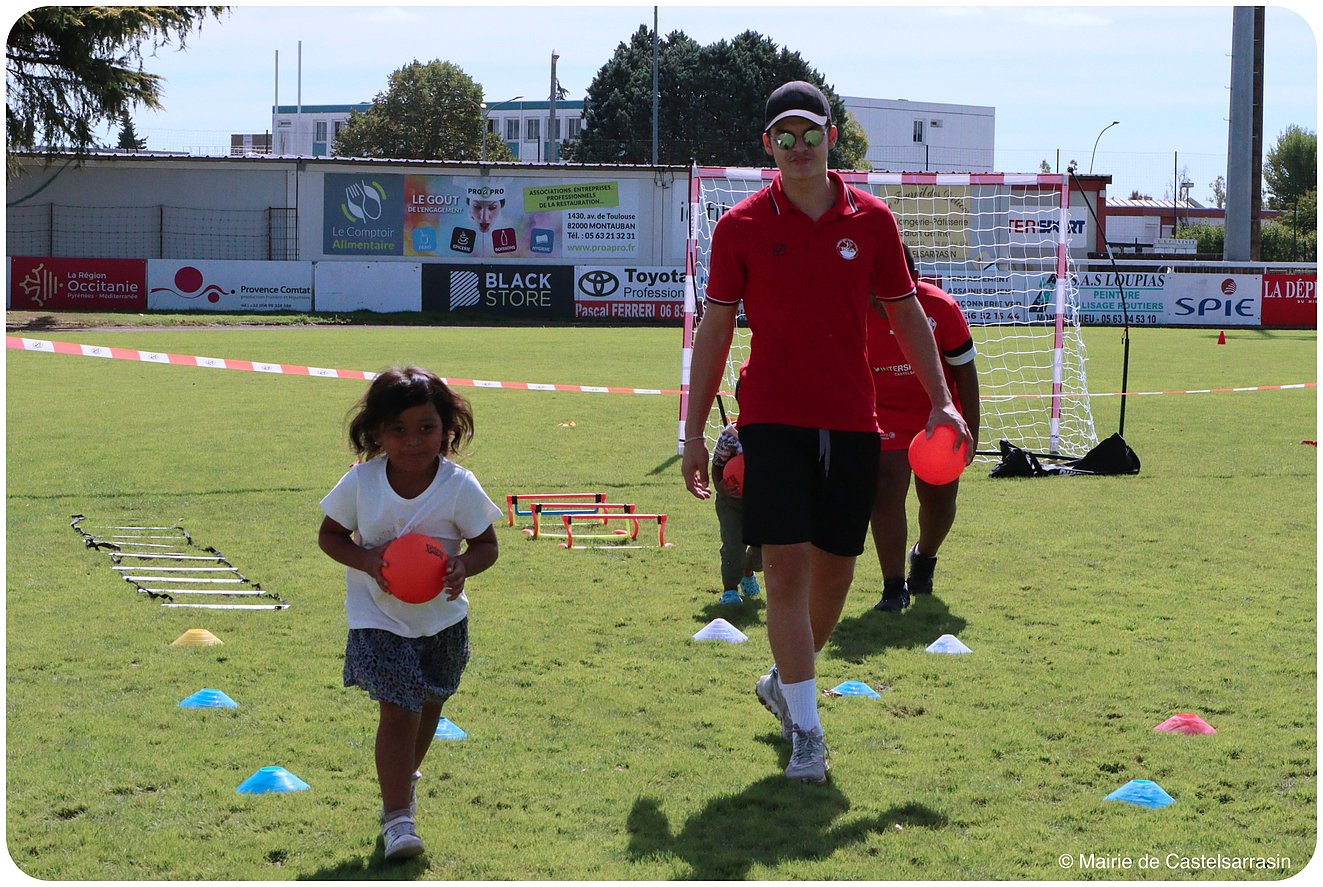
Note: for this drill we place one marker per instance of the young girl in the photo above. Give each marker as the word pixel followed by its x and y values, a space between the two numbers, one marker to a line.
pixel 408 657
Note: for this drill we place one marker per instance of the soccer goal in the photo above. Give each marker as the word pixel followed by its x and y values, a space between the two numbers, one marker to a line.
pixel 997 243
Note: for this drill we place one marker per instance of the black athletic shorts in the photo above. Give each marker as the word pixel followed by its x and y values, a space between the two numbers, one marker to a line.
pixel 808 485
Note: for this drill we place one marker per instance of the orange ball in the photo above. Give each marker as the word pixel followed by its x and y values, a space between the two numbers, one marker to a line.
pixel 732 474
pixel 415 566
pixel 932 458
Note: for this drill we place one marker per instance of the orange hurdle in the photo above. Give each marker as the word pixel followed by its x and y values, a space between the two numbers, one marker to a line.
pixel 537 508
pixel 512 502
pixel 569 519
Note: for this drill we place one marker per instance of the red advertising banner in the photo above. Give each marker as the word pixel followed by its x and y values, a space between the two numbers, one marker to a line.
pixel 1290 300
pixel 61 284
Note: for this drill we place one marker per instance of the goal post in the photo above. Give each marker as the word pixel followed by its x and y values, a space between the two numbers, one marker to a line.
pixel 997 243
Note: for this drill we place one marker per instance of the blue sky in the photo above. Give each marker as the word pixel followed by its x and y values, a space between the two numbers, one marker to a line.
pixel 1056 75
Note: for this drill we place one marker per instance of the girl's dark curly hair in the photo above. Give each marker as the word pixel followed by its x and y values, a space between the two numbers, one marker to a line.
pixel 395 390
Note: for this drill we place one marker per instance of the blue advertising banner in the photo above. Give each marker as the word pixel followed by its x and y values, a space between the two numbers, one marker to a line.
pixel 363 215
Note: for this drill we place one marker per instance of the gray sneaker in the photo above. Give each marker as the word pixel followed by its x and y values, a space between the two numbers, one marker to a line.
pixel 808 760
pixel 401 838
pixel 769 693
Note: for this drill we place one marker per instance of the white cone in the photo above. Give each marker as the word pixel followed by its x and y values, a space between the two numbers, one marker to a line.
pixel 721 630
pixel 948 643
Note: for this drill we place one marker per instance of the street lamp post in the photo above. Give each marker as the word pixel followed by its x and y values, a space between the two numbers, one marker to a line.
pixel 1095 143
pixel 484 109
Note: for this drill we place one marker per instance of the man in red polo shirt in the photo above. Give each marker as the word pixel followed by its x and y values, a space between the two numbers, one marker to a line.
pixel 806 255
pixel 902 411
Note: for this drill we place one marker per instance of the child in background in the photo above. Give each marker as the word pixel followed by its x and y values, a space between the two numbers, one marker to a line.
pixel 902 412
pixel 408 657
pixel 738 561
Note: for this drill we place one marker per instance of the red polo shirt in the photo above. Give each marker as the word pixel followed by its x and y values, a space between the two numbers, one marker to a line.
pixel 902 404
pixel 806 289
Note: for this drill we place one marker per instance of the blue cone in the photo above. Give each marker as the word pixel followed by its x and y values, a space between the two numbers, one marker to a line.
pixel 447 730
pixel 208 698
pixel 856 688
pixel 271 779
pixel 1142 793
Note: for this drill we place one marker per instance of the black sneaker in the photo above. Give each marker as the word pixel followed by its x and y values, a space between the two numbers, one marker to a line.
pixel 920 580
pixel 895 596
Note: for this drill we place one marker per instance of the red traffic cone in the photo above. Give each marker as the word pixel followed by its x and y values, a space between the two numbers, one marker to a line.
pixel 1222 337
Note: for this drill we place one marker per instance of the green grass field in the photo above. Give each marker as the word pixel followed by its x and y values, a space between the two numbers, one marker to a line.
pixel 603 742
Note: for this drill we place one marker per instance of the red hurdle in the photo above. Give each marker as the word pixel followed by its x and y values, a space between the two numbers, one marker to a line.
pixel 559 508
pixel 569 519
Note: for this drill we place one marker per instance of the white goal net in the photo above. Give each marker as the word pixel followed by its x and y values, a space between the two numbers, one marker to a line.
pixel 997 243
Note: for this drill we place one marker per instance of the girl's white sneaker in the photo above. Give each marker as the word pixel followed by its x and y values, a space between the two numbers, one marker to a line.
pixel 400 837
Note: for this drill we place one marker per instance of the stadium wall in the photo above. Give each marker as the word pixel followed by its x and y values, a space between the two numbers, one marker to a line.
pixel 594 243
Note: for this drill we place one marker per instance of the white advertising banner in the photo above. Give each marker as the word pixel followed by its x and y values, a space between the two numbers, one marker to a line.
pixel 174 285
pixel 1033 227
pixel 1152 298
pixel 1170 299
pixel 368 286
pixel 518 217
pixel 629 293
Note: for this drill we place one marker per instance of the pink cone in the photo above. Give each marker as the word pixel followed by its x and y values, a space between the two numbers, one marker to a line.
pixel 1184 723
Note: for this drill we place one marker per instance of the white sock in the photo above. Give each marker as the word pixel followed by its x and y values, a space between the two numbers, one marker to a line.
pixel 802 700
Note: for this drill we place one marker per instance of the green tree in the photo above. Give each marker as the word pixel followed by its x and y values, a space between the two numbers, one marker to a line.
pixel 1281 242
pixel 429 111
pixel 128 136
pixel 710 103
pixel 1291 168
pixel 1293 235
pixel 1208 238
pixel 71 69
pixel 1219 186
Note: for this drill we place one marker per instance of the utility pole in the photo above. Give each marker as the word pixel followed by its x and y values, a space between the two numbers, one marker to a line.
pixel 551 114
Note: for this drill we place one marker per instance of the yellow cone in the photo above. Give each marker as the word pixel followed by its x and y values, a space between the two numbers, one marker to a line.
pixel 196 637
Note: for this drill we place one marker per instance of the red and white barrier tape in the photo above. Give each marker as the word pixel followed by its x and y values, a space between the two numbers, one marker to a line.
pixel 1203 390
pixel 221 363
pixel 24 344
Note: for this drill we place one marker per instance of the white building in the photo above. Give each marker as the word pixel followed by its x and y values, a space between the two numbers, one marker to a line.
pixel 903 136
pixel 310 130
pixel 906 136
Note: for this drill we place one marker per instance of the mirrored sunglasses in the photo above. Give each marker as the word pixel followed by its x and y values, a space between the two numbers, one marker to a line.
pixel 786 140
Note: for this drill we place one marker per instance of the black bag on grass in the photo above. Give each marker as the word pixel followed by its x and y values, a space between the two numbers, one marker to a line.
pixel 1112 456
pixel 1016 462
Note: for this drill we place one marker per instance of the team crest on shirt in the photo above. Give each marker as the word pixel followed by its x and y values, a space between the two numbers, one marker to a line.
pixel 847 248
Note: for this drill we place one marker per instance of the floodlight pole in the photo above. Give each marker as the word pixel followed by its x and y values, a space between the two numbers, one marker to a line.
pixel 1095 143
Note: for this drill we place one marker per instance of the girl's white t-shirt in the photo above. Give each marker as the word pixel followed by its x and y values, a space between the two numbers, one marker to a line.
pixel 453 508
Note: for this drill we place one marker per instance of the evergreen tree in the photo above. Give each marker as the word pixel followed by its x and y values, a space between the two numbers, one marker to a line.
pixel 710 105
pixel 128 136
pixel 70 69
